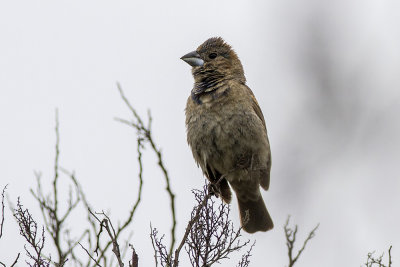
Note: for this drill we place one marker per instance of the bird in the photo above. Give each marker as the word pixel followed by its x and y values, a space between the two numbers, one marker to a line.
pixel 226 131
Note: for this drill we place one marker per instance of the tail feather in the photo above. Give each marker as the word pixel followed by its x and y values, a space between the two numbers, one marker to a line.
pixel 254 215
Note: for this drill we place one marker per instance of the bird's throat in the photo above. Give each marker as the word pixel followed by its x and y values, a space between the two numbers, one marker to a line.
pixel 210 94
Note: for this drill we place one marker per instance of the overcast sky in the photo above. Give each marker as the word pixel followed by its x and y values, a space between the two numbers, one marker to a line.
pixel 326 75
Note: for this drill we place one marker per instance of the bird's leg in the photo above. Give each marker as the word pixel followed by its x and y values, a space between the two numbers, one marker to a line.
pixel 214 187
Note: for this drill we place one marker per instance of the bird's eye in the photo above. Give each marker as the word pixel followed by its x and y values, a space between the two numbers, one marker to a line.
pixel 212 55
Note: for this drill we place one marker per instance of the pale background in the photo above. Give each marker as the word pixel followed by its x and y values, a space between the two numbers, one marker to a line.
pixel 326 75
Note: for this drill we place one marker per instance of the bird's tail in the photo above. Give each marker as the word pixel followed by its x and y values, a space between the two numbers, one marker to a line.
pixel 254 215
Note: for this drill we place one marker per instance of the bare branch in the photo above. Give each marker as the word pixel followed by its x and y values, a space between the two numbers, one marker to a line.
pixel 116 233
pixel 2 211
pixel 28 229
pixel 89 217
pixel 107 223
pixel 153 237
pixel 209 235
pixel 2 224
pixel 54 220
pixel 142 136
pixel 16 260
pixel 212 237
pixel 245 261
pixel 193 220
pixel 13 264
pixel 290 235
pixel 378 261
pixel 160 250
pixel 73 243
pixel 145 133
pixel 135 258
pixel 56 158
pixel 88 253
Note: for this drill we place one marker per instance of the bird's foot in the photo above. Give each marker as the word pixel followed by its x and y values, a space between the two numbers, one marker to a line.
pixel 213 189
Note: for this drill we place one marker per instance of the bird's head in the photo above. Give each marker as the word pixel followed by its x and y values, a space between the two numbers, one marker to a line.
pixel 215 58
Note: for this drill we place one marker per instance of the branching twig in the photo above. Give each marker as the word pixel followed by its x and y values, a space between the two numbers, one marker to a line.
pixel 160 251
pixel 106 224
pixel 2 225
pixel 101 250
pixel 209 235
pixel 373 261
pixel 89 231
pixel 28 229
pixel 193 220
pixel 212 237
pixel 143 135
pixel 245 261
pixel 2 210
pixel 54 218
pixel 291 238
pixel 111 232
pixel 144 132
pixel 49 205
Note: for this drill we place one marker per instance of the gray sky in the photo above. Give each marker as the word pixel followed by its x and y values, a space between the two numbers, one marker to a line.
pixel 326 75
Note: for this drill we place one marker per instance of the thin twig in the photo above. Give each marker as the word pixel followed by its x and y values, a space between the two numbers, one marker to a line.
pixel 87 252
pixel 112 235
pixel 189 227
pixel 29 230
pixel 377 261
pixel 16 260
pixel 245 261
pixel 145 131
pixel 89 217
pixel 117 232
pixel 2 210
pixel 168 189
pixel 56 158
pixel 212 237
pixel 54 221
pixel 160 251
pixel 291 238
pixel 152 237
pixel 127 222
pixel 135 258
pixel 209 236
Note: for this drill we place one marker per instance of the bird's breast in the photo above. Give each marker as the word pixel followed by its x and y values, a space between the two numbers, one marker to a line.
pixel 221 134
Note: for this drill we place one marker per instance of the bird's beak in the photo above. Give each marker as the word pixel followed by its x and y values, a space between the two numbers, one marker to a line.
pixel 193 59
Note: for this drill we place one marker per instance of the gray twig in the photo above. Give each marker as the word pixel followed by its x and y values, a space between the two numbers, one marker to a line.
pixel 291 238
pixel 378 261
pixel 146 134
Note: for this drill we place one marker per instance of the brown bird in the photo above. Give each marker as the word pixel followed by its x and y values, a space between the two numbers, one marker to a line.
pixel 226 131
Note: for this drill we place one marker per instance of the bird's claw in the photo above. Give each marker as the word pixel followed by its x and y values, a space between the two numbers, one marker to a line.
pixel 213 189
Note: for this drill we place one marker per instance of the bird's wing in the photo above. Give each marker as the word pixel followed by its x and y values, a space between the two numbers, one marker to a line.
pixel 256 107
pixel 257 110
